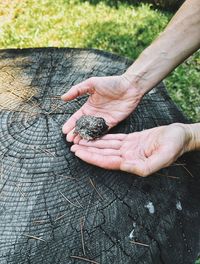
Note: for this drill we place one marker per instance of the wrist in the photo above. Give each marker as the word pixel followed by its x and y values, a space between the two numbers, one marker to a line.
pixel 131 86
pixel 135 82
pixel 191 136
pixel 138 74
pixel 149 69
pixel 194 136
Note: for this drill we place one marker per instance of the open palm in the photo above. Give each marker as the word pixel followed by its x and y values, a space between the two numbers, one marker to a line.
pixel 111 97
pixel 141 153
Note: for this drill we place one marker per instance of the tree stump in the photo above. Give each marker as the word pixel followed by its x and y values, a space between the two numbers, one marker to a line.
pixel 55 208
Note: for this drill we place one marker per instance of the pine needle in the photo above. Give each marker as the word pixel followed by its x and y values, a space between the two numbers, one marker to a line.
pixel 139 243
pixel 92 183
pixel 68 200
pixel 85 259
pixel 34 237
pixel 82 237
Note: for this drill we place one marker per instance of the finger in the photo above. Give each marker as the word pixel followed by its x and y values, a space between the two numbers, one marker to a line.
pixel 103 144
pixel 114 136
pixel 76 139
pixel 111 163
pixel 135 167
pixel 106 152
pixel 71 136
pixel 158 161
pixel 71 122
pixel 145 167
pixel 78 90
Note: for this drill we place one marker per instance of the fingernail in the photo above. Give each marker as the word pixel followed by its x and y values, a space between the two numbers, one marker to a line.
pixel 63 129
pixel 72 149
pixel 62 97
pixel 68 140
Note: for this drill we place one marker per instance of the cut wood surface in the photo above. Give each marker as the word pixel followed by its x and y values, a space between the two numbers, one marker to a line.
pixel 55 208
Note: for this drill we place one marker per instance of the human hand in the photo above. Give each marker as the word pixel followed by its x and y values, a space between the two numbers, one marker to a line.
pixel 141 153
pixel 112 98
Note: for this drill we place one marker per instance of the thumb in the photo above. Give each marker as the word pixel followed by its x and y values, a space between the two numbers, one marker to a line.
pixel 84 87
pixel 156 162
pixel 147 166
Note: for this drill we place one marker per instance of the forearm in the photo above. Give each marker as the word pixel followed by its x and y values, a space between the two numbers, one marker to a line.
pixel 178 41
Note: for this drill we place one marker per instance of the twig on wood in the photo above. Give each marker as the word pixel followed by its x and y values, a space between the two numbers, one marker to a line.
pixel 65 177
pixel 34 237
pixel 57 107
pixel 82 222
pixel 85 259
pixel 47 151
pixel 20 190
pixel 40 221
pixel 188 171
pixel 68 200
pixel 54 97
pixel 23 93
pixel 17 95
pixel 60 217
pixel 139 243
pixel 43 150
pixel 79 203
pixel 173 177
pixel 1 172
pixel 92 183
pixel 184 166
pixel 177 164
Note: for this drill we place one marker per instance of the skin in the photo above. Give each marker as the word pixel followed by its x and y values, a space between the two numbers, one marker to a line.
pixel 106 94
pixel 115 97
pixel 141 153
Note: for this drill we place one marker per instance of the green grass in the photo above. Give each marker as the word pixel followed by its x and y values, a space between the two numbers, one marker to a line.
pixel 125 30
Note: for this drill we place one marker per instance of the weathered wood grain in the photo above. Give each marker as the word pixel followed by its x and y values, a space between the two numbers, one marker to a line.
pixel 54 208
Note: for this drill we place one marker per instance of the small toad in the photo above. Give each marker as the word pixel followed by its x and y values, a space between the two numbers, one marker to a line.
pixel 90 127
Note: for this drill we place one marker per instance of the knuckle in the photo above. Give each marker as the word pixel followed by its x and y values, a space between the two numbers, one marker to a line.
pixel 91 80
pixel 78 91
pixel 144 174
pixel 144 171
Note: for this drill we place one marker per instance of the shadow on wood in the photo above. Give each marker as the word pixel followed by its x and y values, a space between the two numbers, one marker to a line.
pixel 56 209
